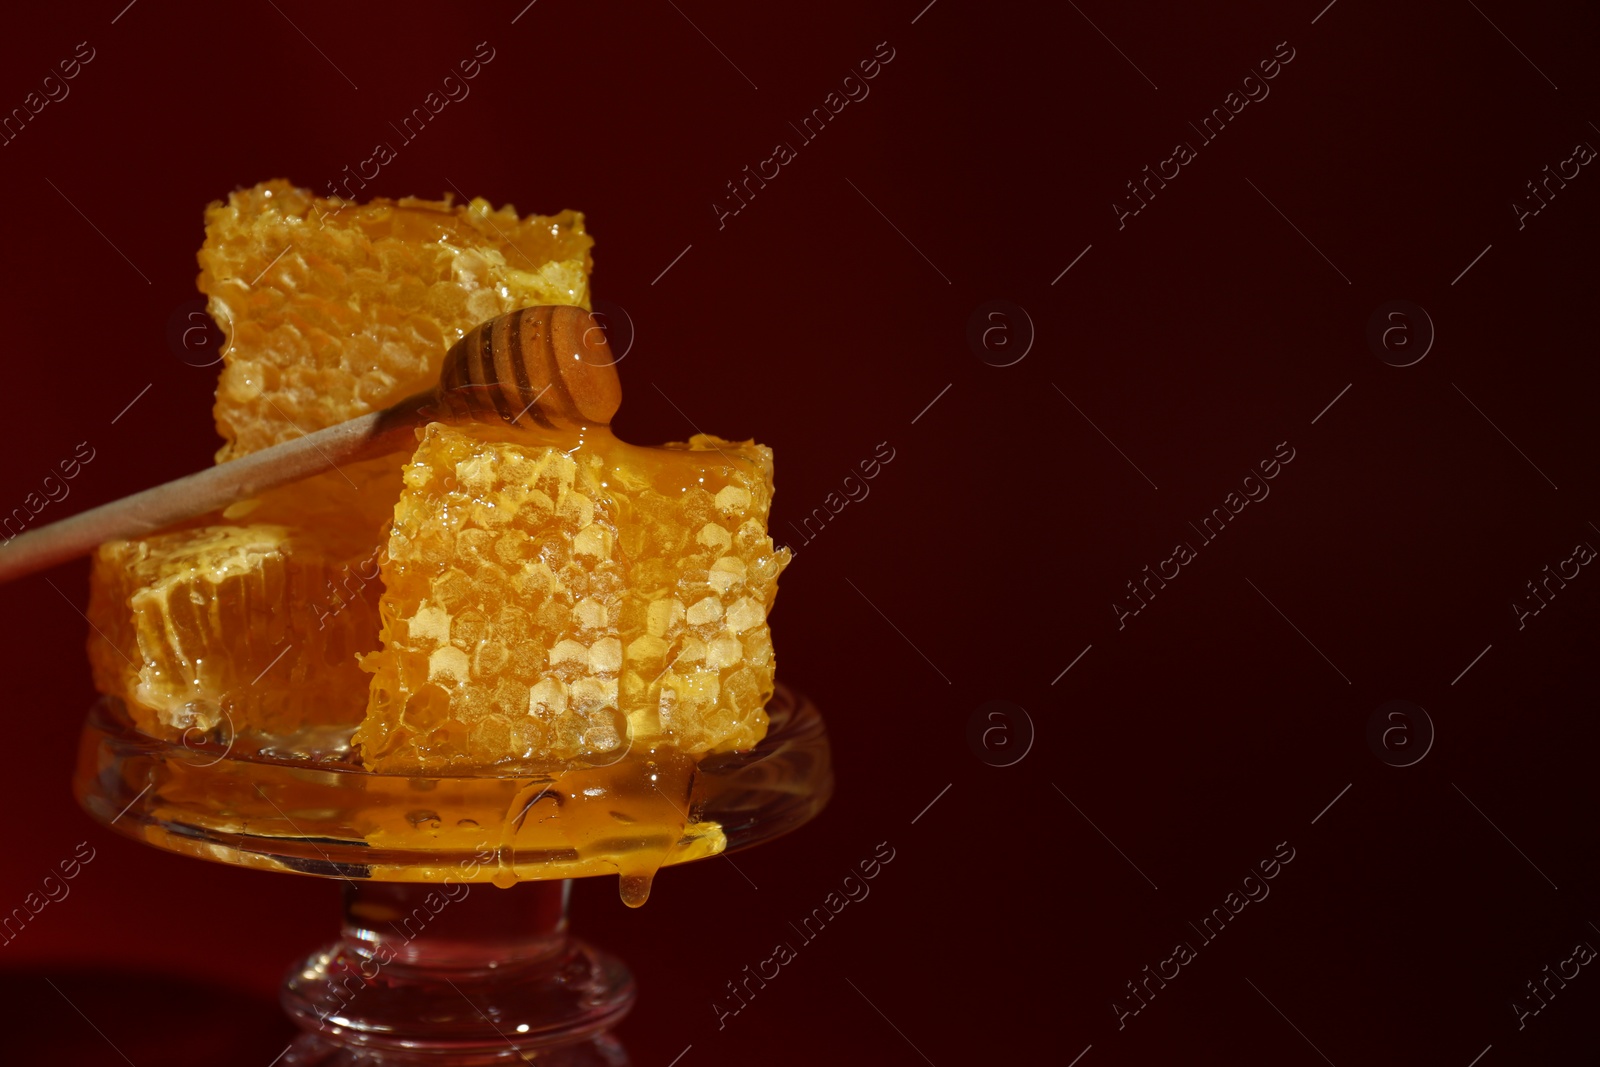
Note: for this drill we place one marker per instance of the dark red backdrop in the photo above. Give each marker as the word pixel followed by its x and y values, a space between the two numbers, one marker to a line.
pixel 1184 345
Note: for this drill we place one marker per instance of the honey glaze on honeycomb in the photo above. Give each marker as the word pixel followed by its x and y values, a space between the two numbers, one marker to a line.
pixel 557 600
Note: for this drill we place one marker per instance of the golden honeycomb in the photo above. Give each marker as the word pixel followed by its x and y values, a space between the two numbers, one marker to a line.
pixel 560 601
pixel 227 627
pixel 333 309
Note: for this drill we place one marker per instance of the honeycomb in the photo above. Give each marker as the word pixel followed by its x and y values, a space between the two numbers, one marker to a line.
pixel 230 626
pixel 332 309
pixel 559 602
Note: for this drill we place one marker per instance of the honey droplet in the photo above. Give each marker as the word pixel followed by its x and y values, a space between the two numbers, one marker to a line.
pixel 635 888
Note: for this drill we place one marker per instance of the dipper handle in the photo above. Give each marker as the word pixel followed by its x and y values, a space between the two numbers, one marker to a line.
pixel 375 434
pixel 535 367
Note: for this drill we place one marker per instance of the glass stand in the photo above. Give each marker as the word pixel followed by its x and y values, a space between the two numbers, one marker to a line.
pixel 453 946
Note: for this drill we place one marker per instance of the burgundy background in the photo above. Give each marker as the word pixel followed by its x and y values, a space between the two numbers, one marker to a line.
pixel 1196 338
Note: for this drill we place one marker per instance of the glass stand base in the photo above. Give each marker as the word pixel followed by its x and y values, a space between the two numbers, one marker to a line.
pixel 460 974
pixel 603 1051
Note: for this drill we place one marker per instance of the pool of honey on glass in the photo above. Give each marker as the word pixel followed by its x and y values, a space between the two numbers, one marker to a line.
pixel 286 802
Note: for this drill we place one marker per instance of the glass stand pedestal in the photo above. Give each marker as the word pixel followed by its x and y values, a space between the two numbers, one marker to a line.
pixel 453 945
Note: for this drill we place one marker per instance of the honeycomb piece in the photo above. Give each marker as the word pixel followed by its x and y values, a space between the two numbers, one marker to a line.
pixel 551 602
pixel 234 626
pixel 332 309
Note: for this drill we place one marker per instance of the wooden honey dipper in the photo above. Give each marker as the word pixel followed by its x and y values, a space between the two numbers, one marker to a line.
pixel 542 366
